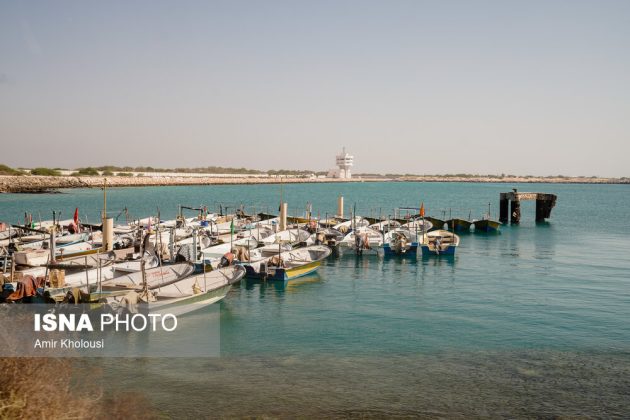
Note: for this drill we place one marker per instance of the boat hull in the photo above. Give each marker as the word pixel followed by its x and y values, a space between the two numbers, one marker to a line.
pixel 488 226
pixel 352 250
pixel 411 250
pixel 283 274
pixel 449 242
pixel 427 252
pixel 458 225
pixel 436 223
pixel 187 304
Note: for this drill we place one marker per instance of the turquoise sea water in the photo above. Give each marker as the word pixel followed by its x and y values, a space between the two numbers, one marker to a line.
pixel 521 317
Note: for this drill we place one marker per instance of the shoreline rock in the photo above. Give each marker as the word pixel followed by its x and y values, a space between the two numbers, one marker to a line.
pixel 51 184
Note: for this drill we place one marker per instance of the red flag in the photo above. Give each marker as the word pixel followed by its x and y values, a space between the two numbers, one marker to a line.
pixel 76 216
pixel 422 209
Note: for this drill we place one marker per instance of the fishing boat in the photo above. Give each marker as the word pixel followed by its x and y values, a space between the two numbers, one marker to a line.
pixel 72 238
pixel 96 280
pixel 487 224
pixel 154 277
pixel 439 242
pixel 418 225
pixel 385 225
pixel 291 236
pixel 91 261
pixel 300 220
pixel 151 260
pixel 331 221
pixel 80 242
pixel 458 225
pixel 362 240
pixel 288 265
pixel 327 236
pixel 165 235
pixel 38 256
pixel 32 257
pixel 217 251
pixel 69 264
pixel 435 222
pixel 263 216
pixel 125 229
pixel 269 250
pixel 7 231
pixel 224 226
pixel 195 292
pixel 33 238
pixel 253 255
pixel 346 226
pixel 175 296
pixel 401 241
pixel 259 230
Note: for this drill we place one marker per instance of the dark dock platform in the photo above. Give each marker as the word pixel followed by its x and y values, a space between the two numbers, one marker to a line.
pixel 511 202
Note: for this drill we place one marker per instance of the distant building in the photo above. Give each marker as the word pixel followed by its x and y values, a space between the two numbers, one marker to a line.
pixel 344 163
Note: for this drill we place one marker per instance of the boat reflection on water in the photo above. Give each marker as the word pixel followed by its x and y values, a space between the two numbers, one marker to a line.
pixel 262 286
pixel 443 261
pixel 295 285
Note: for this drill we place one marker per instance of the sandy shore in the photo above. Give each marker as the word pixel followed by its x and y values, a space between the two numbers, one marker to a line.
pixel 33 184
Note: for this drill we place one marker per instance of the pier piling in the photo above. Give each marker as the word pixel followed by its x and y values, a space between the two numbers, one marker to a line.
pixel 503 208
pixel 108 234
pixel 544 206
pixel 515 212
pixel 340 206
pixel 283 216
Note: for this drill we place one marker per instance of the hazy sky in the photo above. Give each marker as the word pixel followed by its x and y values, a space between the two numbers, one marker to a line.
pixel 519 87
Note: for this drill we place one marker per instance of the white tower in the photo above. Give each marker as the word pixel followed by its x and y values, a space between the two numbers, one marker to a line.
pixel 344 162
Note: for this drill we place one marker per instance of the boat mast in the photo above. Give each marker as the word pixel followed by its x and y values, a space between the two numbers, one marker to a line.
pixel 104 198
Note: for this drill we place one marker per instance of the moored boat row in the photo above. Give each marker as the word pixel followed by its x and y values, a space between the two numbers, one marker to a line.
pixel 161 262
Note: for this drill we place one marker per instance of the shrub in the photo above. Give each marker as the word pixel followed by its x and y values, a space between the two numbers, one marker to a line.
pixel 45 172
pixel 86 172
pixel 5 170
pixel 124 174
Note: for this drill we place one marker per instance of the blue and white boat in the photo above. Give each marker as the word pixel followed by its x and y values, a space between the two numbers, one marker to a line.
pixel 401 241
pixel 439 242
pixel 362 240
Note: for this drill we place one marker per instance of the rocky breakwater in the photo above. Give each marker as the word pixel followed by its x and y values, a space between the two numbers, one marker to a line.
pixel 516 179
pixel 38 184
pixel 46 184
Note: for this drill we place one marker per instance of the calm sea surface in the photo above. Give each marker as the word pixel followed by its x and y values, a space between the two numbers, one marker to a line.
pixel 534 321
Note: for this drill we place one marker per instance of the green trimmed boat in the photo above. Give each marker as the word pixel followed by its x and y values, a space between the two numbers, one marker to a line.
pixel 437 223
pixel 487 225
pixel 288 265
pixel 458 225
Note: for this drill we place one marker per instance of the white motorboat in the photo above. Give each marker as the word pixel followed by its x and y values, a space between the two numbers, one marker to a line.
pixel 362 240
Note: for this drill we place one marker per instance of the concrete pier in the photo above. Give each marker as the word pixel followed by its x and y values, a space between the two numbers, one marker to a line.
pixel 512 200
